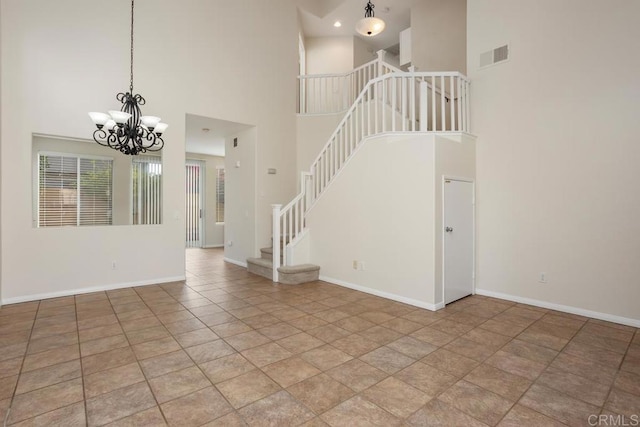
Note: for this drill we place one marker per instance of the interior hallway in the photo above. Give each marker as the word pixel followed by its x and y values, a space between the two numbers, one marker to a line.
pixel 228 348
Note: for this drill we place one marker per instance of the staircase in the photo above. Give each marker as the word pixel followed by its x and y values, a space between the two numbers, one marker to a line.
pixel 388 101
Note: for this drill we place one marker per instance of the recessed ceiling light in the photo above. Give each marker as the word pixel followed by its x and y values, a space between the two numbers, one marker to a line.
pixel 205 130
pixel 337 24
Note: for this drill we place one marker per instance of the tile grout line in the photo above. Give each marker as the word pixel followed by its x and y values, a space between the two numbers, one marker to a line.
pixel 84 394
pixel 234 409
pixel 146 380
pixel 536 379
pixel 545 369
pixel 24 357
pixel 636 333
pixel 194 362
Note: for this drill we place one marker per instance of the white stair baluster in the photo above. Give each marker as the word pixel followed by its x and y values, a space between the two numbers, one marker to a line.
pixel 452 97
pixel 424 106
pixel 443 111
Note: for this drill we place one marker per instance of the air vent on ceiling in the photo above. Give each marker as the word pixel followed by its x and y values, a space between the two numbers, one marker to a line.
pixel 494 56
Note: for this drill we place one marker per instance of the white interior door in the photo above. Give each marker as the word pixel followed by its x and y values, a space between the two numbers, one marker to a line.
pixel 458 239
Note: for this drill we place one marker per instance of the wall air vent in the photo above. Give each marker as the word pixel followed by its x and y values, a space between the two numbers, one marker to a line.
pixel 494 56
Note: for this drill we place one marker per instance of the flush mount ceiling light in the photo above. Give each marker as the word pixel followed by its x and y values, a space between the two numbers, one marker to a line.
pixel 370 26
pixel 127 130
pixel 337 24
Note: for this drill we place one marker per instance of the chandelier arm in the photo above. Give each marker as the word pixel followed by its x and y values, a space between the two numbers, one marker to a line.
pixel 98 135
pixel 158 144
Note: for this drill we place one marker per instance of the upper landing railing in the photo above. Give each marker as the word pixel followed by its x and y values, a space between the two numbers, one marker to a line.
pixel 334 93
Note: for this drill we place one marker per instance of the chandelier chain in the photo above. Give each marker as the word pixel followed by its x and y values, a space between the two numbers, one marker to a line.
pixel 131 82
pixel 368 10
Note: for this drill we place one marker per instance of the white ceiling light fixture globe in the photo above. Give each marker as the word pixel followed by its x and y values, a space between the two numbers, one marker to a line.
pixel 370 26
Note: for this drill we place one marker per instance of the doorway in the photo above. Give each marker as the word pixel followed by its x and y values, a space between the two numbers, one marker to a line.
pixel 458 239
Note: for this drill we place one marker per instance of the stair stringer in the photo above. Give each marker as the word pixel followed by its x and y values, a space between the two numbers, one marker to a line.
pixel 382 133
pixel 299 249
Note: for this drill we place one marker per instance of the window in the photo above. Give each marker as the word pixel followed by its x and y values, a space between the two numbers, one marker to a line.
pixel 74 191
pixel 147 189
pixel 219 195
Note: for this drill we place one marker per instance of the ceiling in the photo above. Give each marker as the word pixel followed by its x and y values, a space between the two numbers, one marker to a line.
pixel 205 135
pixel 318 16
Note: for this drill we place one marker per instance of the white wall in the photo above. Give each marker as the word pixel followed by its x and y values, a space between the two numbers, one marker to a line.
pixel 438 35
pixel 383 201
pixel 214 231
pixel 240 198
pixel 1 126
pixel 362 52
pixel 234 60
pixel 558 152
pixel 329 55
pixel 313 132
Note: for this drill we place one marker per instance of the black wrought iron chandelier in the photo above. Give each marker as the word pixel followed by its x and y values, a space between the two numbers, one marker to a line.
pixel 127 130
pixel 370 26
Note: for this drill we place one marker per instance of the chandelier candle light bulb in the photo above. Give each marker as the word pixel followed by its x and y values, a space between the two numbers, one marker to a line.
pixel 127 130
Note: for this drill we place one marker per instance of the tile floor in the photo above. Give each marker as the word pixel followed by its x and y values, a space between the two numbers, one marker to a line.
pixel 229 348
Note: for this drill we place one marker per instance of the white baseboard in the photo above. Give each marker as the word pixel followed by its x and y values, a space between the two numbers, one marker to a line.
pixel 213 246
pixel 233 261
pixel 388 295
pixel 80 291
pixel 564 308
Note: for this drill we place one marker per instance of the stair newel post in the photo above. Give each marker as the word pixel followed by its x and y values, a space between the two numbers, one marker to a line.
pixel 276 240
pixel 381 53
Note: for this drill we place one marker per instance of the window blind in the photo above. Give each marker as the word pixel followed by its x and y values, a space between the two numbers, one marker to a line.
pixel 74 191
pixel 147 189
pixel 193 211
pixel 219 195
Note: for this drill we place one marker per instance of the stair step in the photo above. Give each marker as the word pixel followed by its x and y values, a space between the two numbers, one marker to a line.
pixel 288 275
pixel 267 253
pixel 261 267
pixel 297 274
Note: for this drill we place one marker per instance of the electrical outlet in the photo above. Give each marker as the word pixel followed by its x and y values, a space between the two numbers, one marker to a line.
pixel 543 278
pixel 355 264
pixel 362 265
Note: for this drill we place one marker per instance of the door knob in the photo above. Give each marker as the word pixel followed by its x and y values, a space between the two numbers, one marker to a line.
pixel 448 229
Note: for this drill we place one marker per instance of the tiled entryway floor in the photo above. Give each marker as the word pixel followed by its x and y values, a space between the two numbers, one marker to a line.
pixel 229 348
